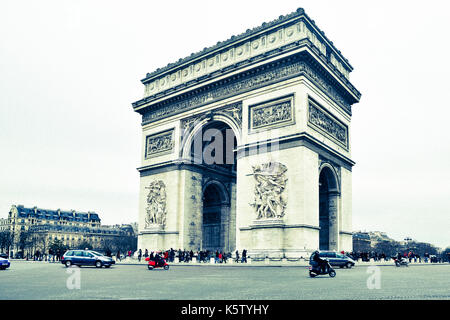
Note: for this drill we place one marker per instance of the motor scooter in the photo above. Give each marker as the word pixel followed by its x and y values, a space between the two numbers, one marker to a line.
pixel 401 262
pixel 152 264
pixel 315 269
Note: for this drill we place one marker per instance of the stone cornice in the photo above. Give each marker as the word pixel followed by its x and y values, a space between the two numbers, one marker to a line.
pixel 184 165
pixel 306 29
pixel 296 140
pixel 302 64
pixel 205 77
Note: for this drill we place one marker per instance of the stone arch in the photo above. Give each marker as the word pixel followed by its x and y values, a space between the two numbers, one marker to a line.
pixel 204 121
pixel 329 194
pixel 215 216
pixel 221 189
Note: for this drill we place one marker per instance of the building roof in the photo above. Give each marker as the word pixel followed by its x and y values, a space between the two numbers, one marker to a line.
pixel 250 32
pixel 57 214
pixel 77 229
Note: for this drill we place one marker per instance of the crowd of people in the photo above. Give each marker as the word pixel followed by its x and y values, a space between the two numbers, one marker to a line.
pixel 203 256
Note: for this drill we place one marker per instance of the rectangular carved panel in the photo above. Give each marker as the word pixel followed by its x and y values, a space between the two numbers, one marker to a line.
pixel 159 144
pixel 326 123
pixel 272 114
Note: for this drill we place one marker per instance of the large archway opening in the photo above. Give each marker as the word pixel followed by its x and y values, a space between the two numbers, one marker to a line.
pixel 213 205
pixel 213 153
pixel 328 210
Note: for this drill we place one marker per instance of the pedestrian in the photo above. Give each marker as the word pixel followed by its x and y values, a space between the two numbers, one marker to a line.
pixel 118 255
pixel 244 256
pixel 237 256
pixel 50 255
pixel 139 255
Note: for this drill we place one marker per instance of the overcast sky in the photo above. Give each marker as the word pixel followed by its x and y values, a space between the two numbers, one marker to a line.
pixel 69 71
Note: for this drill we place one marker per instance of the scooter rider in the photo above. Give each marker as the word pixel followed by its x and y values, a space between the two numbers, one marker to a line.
pixel 322 263
pixel 158 260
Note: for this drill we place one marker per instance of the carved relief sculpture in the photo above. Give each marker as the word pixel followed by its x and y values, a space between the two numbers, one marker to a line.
pixel 159 143
pixel 270 183
pixel 323 121
pixel 271 113
pixel 156 204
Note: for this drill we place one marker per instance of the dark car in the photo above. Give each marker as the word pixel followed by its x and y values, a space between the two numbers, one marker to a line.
pixel 86 258
pixel 4 263
pixel 337 259
pixel 4 255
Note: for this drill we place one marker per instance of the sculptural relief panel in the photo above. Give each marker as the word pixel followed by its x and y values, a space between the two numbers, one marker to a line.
pixel 271 114
pixel 156 205
pixel 159 144
pixel 325 122
pixel 270 183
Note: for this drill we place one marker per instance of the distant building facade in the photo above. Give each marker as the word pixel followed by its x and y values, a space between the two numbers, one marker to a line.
pixel 367 241
pixel 72 228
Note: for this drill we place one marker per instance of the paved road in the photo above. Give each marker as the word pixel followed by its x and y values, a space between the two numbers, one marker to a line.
pixel 41 280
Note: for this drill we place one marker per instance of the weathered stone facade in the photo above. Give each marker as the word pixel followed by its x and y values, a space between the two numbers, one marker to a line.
pixel 278 100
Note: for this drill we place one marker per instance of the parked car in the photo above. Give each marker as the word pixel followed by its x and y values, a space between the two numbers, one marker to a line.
pixel 4 255
pixel 4 263
pixel 86 258
pixel 337 259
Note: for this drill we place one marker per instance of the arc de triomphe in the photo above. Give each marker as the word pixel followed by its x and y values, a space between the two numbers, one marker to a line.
pixel 246 145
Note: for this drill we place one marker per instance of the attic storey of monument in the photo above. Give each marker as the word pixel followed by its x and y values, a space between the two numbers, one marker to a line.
pixel 272 108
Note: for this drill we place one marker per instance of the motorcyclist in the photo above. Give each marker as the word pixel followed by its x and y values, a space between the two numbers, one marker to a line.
pixel 158 260
pixel 321 262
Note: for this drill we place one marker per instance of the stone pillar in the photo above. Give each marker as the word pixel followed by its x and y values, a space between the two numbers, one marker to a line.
pixel 333 198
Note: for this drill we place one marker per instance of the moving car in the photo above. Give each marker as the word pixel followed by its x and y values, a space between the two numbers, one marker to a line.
pixel 337 259
pixel 4 263
pixel 86 258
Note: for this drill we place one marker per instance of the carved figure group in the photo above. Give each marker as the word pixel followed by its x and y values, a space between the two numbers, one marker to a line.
pixel 156 204
pixel 271 114
pixel 270 182
pixel 159 144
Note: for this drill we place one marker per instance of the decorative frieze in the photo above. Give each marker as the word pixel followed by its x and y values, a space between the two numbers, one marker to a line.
pixel 159 144
pixel 270 183
pixel 235 52
pixel 271 114
pixel 156 205
pixel 232 111
pixel 243 83
pixel 324 122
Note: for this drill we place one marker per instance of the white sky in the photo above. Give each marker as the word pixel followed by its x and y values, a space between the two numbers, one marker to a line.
pixel 69 71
